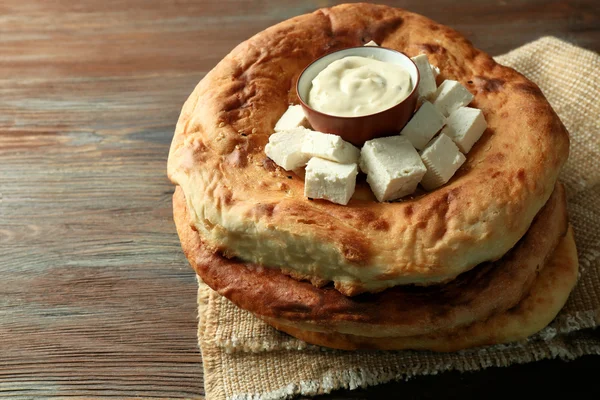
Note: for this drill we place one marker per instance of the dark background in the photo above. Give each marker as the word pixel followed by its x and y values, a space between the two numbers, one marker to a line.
pixel 96 298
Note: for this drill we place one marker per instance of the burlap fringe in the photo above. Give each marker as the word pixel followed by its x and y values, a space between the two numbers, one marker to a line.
pixel 362 377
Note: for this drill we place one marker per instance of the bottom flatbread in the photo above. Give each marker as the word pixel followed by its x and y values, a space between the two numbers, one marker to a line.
pixel 547 296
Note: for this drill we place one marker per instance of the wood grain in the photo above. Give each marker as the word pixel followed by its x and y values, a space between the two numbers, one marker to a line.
pixel 96 298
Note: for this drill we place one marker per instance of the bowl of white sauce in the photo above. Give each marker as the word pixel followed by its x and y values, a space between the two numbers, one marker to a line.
pixel 359 93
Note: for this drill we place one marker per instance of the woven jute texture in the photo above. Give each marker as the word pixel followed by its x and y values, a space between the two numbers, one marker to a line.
pixel 246 359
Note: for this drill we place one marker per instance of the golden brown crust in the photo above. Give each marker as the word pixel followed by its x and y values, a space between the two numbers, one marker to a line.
pixel 400 311
pixel 245 206
pixel 547 296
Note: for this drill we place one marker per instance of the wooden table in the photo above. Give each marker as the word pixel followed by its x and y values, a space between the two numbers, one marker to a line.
pixel 96 297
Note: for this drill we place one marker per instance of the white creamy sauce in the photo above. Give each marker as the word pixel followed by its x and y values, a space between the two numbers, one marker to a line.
pixel 354 86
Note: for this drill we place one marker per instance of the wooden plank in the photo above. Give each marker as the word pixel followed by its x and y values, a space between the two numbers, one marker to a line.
pixel 96 298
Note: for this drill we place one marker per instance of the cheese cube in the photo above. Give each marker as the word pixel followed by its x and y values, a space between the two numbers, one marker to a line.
pixel 330 147
pixel 426 122
pixel 329 180
pixel 293 117
pixel 285 148
pixel 371 43
pixel 427 84
pixel 442 159
pixel 450 96
pixel 393 167
pixel 465 126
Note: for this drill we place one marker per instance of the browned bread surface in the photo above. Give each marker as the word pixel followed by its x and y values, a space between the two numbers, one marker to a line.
pixel 548 294
pixel 245 206
pixel 488 289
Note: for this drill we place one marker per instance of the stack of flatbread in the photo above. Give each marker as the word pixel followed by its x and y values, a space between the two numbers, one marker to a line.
pixel 487 258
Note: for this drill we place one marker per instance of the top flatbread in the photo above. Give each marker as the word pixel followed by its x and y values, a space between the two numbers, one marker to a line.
pixel 245 206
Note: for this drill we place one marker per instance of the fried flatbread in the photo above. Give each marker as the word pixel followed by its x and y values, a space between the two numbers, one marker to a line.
pixel 548 294
pixel 488 289
pixel 244 206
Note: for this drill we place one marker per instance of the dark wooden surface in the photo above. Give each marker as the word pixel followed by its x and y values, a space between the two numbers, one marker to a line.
pixel 96 298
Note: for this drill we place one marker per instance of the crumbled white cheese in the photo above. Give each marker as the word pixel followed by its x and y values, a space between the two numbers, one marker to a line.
pixel 393 167
pixel 427 84
pixel 426 122
pixel 442 159
pixel 465 126
pixel 371 43
pixel 435 70
pixel 293 117
pixel 285 148
pixel 329 180
pixel 450 96
pixel 330 147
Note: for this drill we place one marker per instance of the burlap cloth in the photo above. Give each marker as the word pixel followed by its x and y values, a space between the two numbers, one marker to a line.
pixel 246 359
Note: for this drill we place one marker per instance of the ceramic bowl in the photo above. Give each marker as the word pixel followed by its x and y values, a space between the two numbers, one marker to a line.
pixel 358 130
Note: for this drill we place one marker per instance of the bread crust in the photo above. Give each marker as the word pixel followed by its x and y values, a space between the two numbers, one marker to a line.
pixel 245 206
pixel 538 308
pixel 401 311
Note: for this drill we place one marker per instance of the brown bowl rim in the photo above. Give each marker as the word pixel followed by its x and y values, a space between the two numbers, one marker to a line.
pixel 415 87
